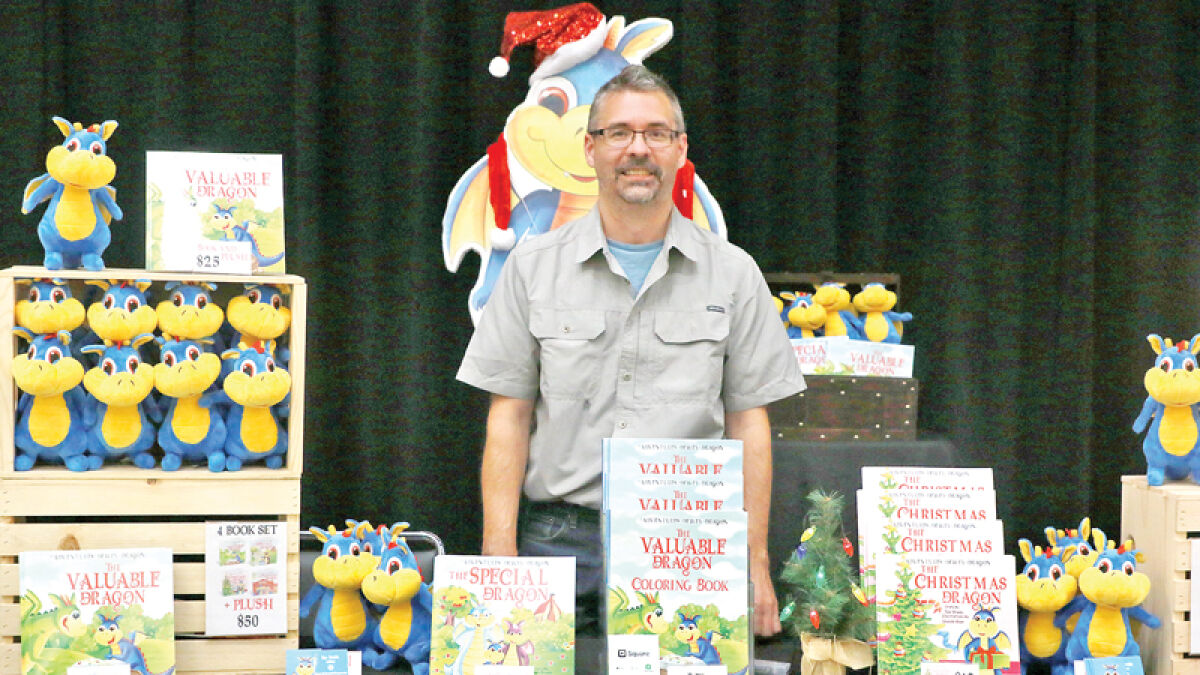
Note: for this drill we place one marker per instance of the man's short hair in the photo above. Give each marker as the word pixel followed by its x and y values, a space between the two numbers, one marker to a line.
pixel 636 77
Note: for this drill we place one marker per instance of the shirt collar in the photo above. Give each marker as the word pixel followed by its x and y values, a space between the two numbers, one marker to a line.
pixel 681 235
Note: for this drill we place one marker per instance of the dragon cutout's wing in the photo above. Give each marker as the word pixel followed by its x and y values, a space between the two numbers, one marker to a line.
pixel 468 216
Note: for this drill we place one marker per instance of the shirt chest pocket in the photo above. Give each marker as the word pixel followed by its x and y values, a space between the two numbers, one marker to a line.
pixel 571 344
pixel 689 354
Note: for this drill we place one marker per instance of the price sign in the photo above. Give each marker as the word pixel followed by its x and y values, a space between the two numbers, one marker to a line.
pixel 222 257
pixel 245 571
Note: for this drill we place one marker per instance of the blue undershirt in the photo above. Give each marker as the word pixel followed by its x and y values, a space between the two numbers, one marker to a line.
pixel 636 260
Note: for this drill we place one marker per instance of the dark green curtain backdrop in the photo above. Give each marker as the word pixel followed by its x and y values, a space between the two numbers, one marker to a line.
pixel 1029 168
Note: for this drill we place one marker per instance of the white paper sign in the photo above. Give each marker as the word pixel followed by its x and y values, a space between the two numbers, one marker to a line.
pixel 222 257
pixel 632 654
pixel 97 667
pixel 245 568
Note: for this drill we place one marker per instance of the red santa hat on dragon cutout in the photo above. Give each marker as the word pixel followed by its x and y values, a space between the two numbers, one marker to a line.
pixel 561 38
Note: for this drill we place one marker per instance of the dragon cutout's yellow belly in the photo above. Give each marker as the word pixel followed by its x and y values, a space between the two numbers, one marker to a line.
pixel 49 420
pixel 190 422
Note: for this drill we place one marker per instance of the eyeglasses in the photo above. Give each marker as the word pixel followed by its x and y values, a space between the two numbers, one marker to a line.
pixel 620 137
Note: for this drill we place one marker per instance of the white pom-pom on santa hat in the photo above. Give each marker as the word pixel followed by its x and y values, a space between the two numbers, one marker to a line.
pixel 502 239
pixel 498 67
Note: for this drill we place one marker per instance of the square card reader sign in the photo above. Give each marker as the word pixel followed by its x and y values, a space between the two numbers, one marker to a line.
pixel 245 574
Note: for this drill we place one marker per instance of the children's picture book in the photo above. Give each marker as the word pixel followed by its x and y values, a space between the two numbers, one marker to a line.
pixel 214 212
pixel 939 614
pixel 645 474
pixel 507 615
pixel 678 579
pixel 953 502
pixel 79 607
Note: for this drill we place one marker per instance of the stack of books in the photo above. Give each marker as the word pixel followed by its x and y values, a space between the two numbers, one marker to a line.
pixel 932 556
pixel 676 557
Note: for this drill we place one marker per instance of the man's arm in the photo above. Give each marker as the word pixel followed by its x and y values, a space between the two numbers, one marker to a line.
pixel 505 453
pixel 752 428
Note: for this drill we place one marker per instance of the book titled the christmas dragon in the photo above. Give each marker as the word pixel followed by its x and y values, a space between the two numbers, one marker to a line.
pixel 677 585
pixel 104 604
pixel 503 615
pixel 938 614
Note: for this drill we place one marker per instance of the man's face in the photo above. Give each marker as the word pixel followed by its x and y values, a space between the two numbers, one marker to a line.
pixel 637 173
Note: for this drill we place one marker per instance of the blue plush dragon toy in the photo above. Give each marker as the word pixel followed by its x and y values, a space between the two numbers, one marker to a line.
pixel 48 307
pixel 877 320
pixel 192 430
pixel 1172 411
pixel 52 414
pixel 405 629
pixel 800 315
pixel 535 177
pixel 257 392
pixel 122 384
pixel 1110 595
pixel 343 620
pixel 74 228
pixel 190 313
pixel 1043 588
pixel 840 318
pixel 259 314
pixel 123 311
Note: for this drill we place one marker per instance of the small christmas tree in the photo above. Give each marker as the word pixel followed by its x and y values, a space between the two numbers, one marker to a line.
pixel 905 641
pixel 822 597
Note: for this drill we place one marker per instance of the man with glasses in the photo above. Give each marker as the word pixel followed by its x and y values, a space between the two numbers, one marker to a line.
pixel 629 322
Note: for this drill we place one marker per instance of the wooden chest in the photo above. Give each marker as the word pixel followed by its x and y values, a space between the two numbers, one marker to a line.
pixel 848 408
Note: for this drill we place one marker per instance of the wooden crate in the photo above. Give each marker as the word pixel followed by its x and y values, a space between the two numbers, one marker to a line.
pixel 1163 521
pixel 124 506
pixel 846 408
pixel 228 286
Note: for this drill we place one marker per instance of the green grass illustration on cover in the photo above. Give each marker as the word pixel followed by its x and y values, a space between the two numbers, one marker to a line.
pixel 97 605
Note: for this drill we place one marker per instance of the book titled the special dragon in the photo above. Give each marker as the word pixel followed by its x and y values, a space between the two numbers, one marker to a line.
pixel 498 614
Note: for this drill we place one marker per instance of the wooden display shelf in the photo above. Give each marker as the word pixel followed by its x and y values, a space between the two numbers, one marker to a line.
pixel 121 506
pixel 149 513
pixel 1163 522
pixel 227 287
